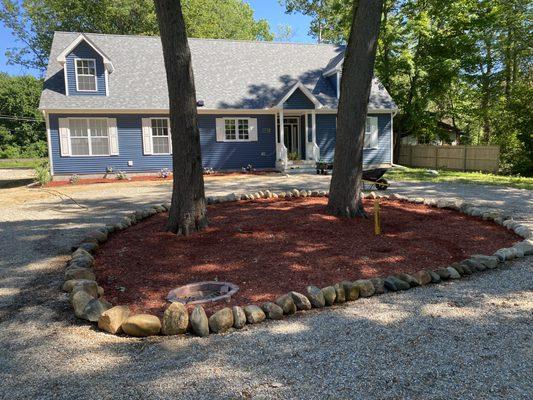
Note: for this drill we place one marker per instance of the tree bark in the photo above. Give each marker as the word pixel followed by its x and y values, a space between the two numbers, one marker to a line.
pixel 188 207
pixel 357 72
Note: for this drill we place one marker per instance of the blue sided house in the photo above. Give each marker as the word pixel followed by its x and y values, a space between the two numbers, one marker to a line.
pixel 266 104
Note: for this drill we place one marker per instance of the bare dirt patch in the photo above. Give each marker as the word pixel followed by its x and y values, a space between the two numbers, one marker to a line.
pixel 269 247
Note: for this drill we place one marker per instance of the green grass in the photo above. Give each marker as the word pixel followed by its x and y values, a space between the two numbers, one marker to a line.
pixel 479 178
pixel 20 162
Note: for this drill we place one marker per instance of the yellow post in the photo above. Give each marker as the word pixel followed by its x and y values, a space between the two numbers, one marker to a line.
pixel 377 218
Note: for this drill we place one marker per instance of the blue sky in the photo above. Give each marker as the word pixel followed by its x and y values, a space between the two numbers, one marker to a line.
pixel 270 10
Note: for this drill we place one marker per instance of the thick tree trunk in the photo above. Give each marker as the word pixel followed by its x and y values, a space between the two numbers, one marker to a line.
pixel 188 211
pixel 357 72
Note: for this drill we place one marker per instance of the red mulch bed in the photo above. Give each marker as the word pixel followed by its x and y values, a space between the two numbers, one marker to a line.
pixel 140 178
pixel 269 247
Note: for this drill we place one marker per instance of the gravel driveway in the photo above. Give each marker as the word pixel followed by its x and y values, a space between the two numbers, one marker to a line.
pixel 467 339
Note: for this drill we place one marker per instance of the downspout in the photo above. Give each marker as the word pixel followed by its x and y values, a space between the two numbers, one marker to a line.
pixel 49 142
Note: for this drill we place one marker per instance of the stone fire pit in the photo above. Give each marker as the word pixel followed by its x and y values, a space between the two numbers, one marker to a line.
pixel 202 292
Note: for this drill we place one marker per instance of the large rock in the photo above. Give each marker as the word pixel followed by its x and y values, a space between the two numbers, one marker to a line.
pixel 526 246
pixel 79 273
pixel 394 284
pixel 79 301
pixel 99 236
pixel 340 296
pixel 111 320
pixel 141 325
pixel 459 268
pixel 272 310
pixel 88 246
pixel 287 304
pixel 239 317
pixel 254 314
pixel 453 273
pixel 379 285
pixel 409 279
pixel 488 261
pixel 175 319
pixel 81 262
pixel 422 277
pixel 474 264
pixel 91 287
pixel 94 309
pixel 366 287
pixel 443 273
pixel 69 285
pixel 351 291
pixel 315 296
pixel 79 252
pixel 199 322
pixel 329 294
pixel 221 321
pixel 435 278
pixel 301 302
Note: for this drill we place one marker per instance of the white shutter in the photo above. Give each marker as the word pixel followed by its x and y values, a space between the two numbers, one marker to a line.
pixel 113 136
pixel 252 129
pixel 64 137
pixel 221 130
pixel 374 139
pixel 169 136
pixel 147 136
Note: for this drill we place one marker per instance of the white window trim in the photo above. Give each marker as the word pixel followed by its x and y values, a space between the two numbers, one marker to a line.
pixel 377 134
pixel 236 119
pixel 76 74
pixel 169 137
pixel 89 139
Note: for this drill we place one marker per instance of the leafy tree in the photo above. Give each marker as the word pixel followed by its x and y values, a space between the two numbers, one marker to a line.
pixel 357 70
pixel 33 22
pixel 188 207
pixel 22 131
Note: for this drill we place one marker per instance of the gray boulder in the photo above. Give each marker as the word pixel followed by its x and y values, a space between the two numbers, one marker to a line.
pixel 302 303
pixel 272 310
pixel 453 273
pixel 91 287
pixel 409 279
pixel 286 303
pixel 443 273
pixel 340 295
pixel 488 261
pixel 394 284
pixel 526 246
pixel 79 273
pixel 199 322
pixel 366 287
pixel 221 321
pixel 379 285
pixel 239 317
pixel 315 296
pixel 435 278
pixel 351 291
pixel 422 277
pixel 330 295
pixel 175 319
pixel 94 309
pixel 79 301
pixel 254 314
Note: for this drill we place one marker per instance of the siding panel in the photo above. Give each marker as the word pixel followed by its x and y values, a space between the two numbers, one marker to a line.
pixel 216 155
pixel 325 137
pixel 298 101
pixel 83 50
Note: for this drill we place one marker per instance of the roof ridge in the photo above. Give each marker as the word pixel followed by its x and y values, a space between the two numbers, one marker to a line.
pixel 204 39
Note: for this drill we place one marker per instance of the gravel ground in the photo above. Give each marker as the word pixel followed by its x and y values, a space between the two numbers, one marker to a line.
pixel 466 339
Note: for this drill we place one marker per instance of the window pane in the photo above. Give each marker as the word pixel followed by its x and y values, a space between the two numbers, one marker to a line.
pixel 100 146
pixel 80 146
pixel 230 129
pixel 159 127
pixel 98 127
pixel 86 82
pixel 78 128
pixel 161 145
pixel 368 125
pixel 243 129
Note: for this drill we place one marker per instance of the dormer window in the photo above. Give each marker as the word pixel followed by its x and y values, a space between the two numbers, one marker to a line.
pixel 85 75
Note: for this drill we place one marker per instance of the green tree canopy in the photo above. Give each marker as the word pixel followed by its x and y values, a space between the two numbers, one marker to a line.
pixel 33 22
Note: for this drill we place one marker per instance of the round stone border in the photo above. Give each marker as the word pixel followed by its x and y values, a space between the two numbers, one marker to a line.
pixel 88 301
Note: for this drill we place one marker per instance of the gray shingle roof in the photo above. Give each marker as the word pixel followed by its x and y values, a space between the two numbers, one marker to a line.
pixel 228 74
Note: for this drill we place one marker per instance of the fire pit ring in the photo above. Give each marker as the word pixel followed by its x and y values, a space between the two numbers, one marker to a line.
pixel 202 292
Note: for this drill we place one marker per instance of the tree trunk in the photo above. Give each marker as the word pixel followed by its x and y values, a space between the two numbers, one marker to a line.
pixel 188 208
pixel 357 72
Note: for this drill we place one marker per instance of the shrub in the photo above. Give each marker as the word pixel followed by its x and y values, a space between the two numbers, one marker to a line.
pixel 42 173
pixel 74 179
pixel 121 175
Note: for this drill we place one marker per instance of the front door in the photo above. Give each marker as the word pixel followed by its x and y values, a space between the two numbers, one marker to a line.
pixel 291 137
